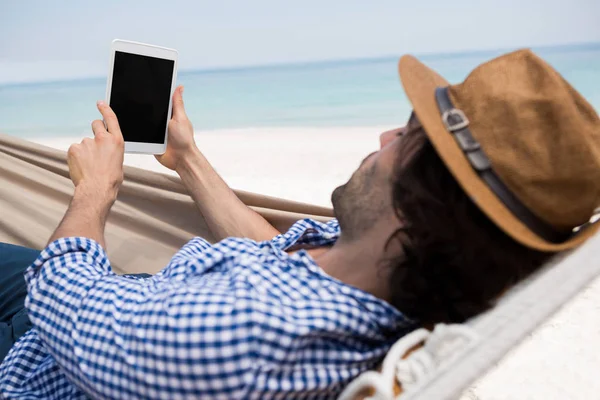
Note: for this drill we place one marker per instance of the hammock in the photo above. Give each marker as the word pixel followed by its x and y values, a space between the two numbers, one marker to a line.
pixel 150 221
pixel 153 217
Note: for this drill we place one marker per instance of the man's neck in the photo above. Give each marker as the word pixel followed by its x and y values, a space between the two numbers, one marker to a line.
pixel 355 265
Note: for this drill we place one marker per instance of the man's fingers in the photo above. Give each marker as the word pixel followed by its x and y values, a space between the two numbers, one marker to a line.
pixel 98 127
pixel 110 118
pixel 178 108
pixel 73 149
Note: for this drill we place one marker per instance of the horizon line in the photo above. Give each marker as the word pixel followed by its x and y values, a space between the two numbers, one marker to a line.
pixel 315 62
pixel 423 55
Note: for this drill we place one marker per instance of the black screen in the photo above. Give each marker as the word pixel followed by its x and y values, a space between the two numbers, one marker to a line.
pixel 140 94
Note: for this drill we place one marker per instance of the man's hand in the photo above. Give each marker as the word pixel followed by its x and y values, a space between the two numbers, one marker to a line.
pixel 96 165
pixel 96 168
pixel 180 143
pixel 223 212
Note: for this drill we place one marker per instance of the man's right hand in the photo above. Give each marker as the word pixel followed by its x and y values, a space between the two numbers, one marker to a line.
pixel 180 142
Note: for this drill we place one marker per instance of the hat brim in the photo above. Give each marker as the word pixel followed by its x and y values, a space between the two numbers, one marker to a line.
pixel 419 83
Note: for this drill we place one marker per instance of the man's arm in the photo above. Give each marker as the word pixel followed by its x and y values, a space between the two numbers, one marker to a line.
pixel 86 217
pixel 96 169
pixel 115 337
pixel 100 327
pixel 223 211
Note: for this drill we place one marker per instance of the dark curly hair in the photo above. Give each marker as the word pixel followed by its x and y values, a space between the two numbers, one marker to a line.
pixel 456 261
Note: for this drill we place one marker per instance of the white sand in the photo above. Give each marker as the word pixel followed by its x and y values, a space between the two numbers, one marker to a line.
pixel 559 361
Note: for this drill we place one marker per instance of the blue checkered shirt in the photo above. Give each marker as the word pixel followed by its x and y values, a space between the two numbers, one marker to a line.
pixel 237 319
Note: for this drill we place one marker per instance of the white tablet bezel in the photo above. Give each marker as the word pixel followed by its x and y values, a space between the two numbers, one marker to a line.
pixel 151 51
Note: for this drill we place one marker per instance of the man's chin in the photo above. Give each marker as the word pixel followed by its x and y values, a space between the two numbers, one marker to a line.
pixel 340 204
pixel 336 195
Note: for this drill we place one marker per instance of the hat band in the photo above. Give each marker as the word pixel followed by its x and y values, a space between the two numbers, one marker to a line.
pixel 458 125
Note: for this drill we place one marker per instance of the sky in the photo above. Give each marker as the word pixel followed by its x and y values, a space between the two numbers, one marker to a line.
pixel 53 40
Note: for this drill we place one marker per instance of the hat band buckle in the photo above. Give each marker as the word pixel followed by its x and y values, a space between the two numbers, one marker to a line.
pixel 457 123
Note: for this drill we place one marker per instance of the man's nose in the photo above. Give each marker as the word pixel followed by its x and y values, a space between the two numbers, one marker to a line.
pixel 388 136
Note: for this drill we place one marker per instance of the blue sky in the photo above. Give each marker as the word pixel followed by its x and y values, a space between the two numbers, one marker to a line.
pixel 43 40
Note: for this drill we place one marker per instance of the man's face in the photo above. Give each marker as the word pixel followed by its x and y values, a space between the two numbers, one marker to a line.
pixel 367 196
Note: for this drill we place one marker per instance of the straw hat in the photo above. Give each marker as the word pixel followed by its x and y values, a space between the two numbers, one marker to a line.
pixel 521 142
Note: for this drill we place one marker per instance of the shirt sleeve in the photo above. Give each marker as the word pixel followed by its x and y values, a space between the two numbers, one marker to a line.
pixel 116 337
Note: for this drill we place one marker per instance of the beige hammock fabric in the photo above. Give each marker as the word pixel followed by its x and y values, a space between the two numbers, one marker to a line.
pixel 151 219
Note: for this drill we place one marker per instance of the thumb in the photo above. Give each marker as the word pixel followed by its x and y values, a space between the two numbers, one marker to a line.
pixel 178 108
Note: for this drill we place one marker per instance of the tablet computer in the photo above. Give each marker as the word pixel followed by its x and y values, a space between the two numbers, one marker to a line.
pixel 139 89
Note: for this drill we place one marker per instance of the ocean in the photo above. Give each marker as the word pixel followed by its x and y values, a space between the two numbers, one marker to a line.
pixel 320 94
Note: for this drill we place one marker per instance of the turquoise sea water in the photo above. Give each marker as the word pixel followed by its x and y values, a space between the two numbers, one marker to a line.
pixel 336 93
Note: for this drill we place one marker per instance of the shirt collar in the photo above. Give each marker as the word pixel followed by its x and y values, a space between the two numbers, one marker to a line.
pixel 308 232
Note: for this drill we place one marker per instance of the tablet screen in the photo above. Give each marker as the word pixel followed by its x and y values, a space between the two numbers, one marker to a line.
pixel 140 94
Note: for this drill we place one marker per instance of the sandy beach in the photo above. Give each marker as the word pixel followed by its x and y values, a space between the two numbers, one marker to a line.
pixel 558 361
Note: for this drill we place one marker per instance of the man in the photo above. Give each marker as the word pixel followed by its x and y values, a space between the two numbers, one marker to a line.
pixel 488 179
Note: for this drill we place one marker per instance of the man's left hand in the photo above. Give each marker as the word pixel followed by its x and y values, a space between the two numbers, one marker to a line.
pixel 96 165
